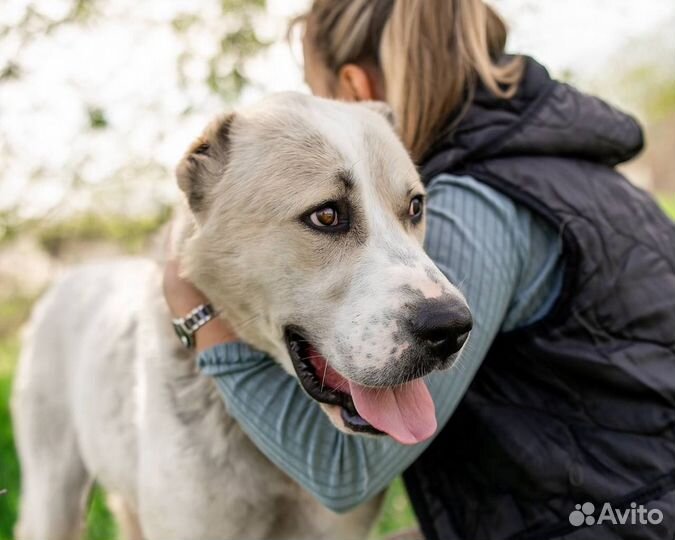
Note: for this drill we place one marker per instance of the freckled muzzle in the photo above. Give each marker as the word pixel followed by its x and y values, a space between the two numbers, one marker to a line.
pixel 398 402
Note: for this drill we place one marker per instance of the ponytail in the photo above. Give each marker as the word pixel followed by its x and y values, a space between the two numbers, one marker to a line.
pixel 431 54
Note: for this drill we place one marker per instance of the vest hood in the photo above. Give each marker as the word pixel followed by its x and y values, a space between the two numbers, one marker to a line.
pixel 545 118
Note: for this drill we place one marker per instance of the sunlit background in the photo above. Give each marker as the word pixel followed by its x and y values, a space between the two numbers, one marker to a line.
pixel 98 100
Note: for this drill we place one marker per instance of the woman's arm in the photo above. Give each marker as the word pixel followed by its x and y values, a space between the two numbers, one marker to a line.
pixel 181 297
pixel 481 241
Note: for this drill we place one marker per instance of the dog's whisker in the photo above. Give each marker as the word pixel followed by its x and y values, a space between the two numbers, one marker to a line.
pixel 325 370
pixel 342 385
pixel 459 365
pixel 313 357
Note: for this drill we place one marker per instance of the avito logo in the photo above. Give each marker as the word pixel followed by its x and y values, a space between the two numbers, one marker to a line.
pixel 584 514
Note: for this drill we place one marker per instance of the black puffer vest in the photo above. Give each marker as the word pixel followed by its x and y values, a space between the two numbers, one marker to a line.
pixel 579 407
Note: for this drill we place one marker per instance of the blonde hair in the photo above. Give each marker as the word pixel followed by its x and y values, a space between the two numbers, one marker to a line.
pixel 431 54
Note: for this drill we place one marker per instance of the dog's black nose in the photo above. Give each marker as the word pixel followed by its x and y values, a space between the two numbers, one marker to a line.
pixel 442 327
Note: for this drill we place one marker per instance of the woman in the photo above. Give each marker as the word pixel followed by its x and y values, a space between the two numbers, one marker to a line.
pixel 565 391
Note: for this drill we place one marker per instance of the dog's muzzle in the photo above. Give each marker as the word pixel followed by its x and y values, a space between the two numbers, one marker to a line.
pixel 399 404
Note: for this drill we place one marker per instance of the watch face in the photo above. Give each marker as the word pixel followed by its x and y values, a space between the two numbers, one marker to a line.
pixel 185 339
pixel 178 331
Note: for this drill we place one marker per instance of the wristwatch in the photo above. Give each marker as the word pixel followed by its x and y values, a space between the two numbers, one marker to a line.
pixel 185 327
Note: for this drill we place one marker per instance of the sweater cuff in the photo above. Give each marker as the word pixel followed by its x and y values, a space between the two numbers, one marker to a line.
pixel 219 359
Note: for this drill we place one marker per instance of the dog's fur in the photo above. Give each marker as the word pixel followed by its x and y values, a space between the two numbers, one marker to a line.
pixel 105 392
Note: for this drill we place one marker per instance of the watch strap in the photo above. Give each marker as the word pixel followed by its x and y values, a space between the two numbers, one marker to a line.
pixel 185 327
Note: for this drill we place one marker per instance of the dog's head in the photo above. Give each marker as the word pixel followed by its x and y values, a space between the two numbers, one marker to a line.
pixel 309 227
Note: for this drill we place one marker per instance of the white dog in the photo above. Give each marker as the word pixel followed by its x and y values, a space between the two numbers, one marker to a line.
pixel 306 230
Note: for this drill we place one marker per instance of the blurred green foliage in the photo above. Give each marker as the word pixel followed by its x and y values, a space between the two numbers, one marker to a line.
pixel 10 226
pixel 97 118
pixel 651 85
pixel 13 312
pixel 226 69
pixel 130 233
pixel 668 204
pixel 226 74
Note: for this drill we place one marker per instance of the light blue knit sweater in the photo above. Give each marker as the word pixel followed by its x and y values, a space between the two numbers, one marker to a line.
pixel 507 262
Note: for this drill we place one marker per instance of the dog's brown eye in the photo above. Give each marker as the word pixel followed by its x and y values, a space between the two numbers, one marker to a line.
pixel 416 207
pixel 325 217
pixel 331 217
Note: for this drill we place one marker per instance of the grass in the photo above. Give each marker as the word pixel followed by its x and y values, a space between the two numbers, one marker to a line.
pixel 100 523
pixel 9 466
pixel 397 514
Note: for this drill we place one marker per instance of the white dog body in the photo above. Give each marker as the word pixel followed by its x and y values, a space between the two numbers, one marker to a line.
pixel 105 391
pixel 111 396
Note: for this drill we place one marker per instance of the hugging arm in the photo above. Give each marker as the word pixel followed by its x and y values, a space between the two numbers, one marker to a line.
pixel 479 241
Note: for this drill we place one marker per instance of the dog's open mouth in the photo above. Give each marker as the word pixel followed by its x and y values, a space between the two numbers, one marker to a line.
pixel 404 412
pixel 323 383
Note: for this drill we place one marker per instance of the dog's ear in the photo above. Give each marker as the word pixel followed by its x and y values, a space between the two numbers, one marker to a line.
pixel 204 164
pixel 382 108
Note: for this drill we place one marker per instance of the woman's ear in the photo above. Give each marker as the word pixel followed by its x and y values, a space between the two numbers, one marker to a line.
pixel 355 84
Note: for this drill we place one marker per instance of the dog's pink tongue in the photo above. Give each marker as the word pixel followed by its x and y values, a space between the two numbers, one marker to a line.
pixel 406 413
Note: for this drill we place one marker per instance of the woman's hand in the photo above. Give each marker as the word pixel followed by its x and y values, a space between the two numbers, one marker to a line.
pixel 182 297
